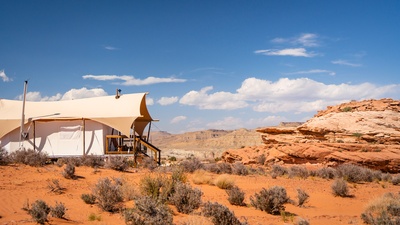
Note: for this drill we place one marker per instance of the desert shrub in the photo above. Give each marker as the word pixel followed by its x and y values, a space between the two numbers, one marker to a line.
pixel 196 220
pixel 157 187
pixel 278 170
pixel 386 177
pixel 347 109
pixel 29 157
pixel 69 171
pixel 108 194
pixel 235 196
pixel 54 186
pixel 383 210
pixel 396 179
pixel 92 161
pixel 201 177
pixel 93 217
pixel 58 210
pixel 238 168
pixel 4 157
pixel 88 198
pixel 219 168
pixel 190 165
pixel 340 188
pixel 185 198
pixel 270 200
pixel 148 211
pixel 117 163
pixel 76 161
pixel 148 163
pixel 302 197
pixel 224 181
pixel 220 214
pixel 178 175
pixel 301 221
pixel 326 173
pixel 353 173
pixel 298 171
pixel 39 211
pixel 261 159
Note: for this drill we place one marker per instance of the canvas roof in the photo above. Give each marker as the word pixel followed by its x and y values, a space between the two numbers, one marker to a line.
pixel 120 114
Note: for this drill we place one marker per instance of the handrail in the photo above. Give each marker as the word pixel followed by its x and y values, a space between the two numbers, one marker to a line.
pixel 157 151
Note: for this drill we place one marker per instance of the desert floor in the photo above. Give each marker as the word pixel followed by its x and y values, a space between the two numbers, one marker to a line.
pixel 20 184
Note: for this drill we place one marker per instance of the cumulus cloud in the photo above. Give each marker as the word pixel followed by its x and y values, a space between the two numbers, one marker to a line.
pixel 297 52
pixel 178 119
pixel 346 63
pixel 132 81
pixel 305 39
pixel 286 95
pixel 217 100
pixel 149 101
pixel 167 100
pixel 69 95
pixel 312 72
pixel 4 77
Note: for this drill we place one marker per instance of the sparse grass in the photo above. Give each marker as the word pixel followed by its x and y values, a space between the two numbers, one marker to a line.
pixel 108 194
pixel 201 177
pixel 54 186
pixel 94 217
pixel 224 181
pixel 69 171
pixel 220 214
pixel 340 188
pixel 148 211
pixel 185 198
pixel 235 196
pixel 238 168
pixel 39 211
pixel 270 200
pixel 383 210
pixel 302 197
pixel 29 157
pixel 88 198
pixel 58 210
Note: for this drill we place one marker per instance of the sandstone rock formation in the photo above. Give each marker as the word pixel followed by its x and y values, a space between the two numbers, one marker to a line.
pixel 365 132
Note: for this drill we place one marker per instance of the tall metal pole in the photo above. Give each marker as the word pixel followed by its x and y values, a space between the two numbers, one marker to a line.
pixel 21 145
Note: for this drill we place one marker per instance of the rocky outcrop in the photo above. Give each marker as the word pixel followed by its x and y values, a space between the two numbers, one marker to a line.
pixel 365 132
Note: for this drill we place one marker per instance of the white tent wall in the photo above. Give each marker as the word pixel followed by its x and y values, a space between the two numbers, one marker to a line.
pixel 61 138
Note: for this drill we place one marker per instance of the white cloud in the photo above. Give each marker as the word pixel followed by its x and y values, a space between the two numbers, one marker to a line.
pixel 346 63
pixel 265 122
pixel 178 119
pixel 312 72
pixel 4 77
pixel 297 52
pixel 71 94
pixel 167 100
pixel 228 123
pixel 305 39
pixel 132 81
pixel 149 101
pixel 111 48
pixel 217 100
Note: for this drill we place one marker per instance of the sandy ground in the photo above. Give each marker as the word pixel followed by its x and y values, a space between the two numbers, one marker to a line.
pixel 20 184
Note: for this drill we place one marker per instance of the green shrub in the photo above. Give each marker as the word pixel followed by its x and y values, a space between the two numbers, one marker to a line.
pixel 340 188
pixel 220 214
pixel 29 157
pixel 58 210
pixel 69 171
pixel 191 165
pixel 148 211
pixel 88 198
pixel 235 196
pixel 185 198
pixel 270 200
pixel 108 194
pixel 302 197
pixel 383 210
pixel 118 163
pixel 39 211
pixel 238 168
pixel 347 109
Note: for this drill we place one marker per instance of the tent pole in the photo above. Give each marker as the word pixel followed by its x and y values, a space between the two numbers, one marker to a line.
pixel 21 144
pixel 34 135
pixel 148 133
pixel 83 135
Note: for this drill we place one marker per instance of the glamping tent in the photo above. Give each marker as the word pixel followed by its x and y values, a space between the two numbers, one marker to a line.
pixel 99 126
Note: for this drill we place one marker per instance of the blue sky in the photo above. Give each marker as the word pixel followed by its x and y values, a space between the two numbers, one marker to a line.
pixel 206 64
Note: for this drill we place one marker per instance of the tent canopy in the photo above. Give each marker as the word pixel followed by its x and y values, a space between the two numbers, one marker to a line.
pixel 123 113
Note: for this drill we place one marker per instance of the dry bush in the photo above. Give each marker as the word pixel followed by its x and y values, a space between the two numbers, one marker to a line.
pixel 219 168
pixel 201 177
pixel 224 181
pixel 235 196
pixel 69 171
pixel 148 163
pixel 148 211
pixel 278 171
pixel 185 198
pixel 191 165
pixel 108 194
pixel 302 197
pixel 39 211
pixel 238 168
pixel 196 220
pixel 340 188
pixel 93 161
pixel 355 174
pixel 58 210
pixel 270 200
pixel 383 210
pixel 4 157
pixel 88 198
pixel 298 171
pixel 220 214
pixel 396 179
pixel 326 173
pixel 178 175
pixel 157 187
pixel 261 159
pixel 118 163
pixel 301 221
pixel 54 186
pixel 29 157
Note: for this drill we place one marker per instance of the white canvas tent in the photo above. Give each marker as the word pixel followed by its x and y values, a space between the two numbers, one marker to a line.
pixel 73 127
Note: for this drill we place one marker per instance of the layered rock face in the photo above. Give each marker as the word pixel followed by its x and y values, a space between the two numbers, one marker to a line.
pixel 365 132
